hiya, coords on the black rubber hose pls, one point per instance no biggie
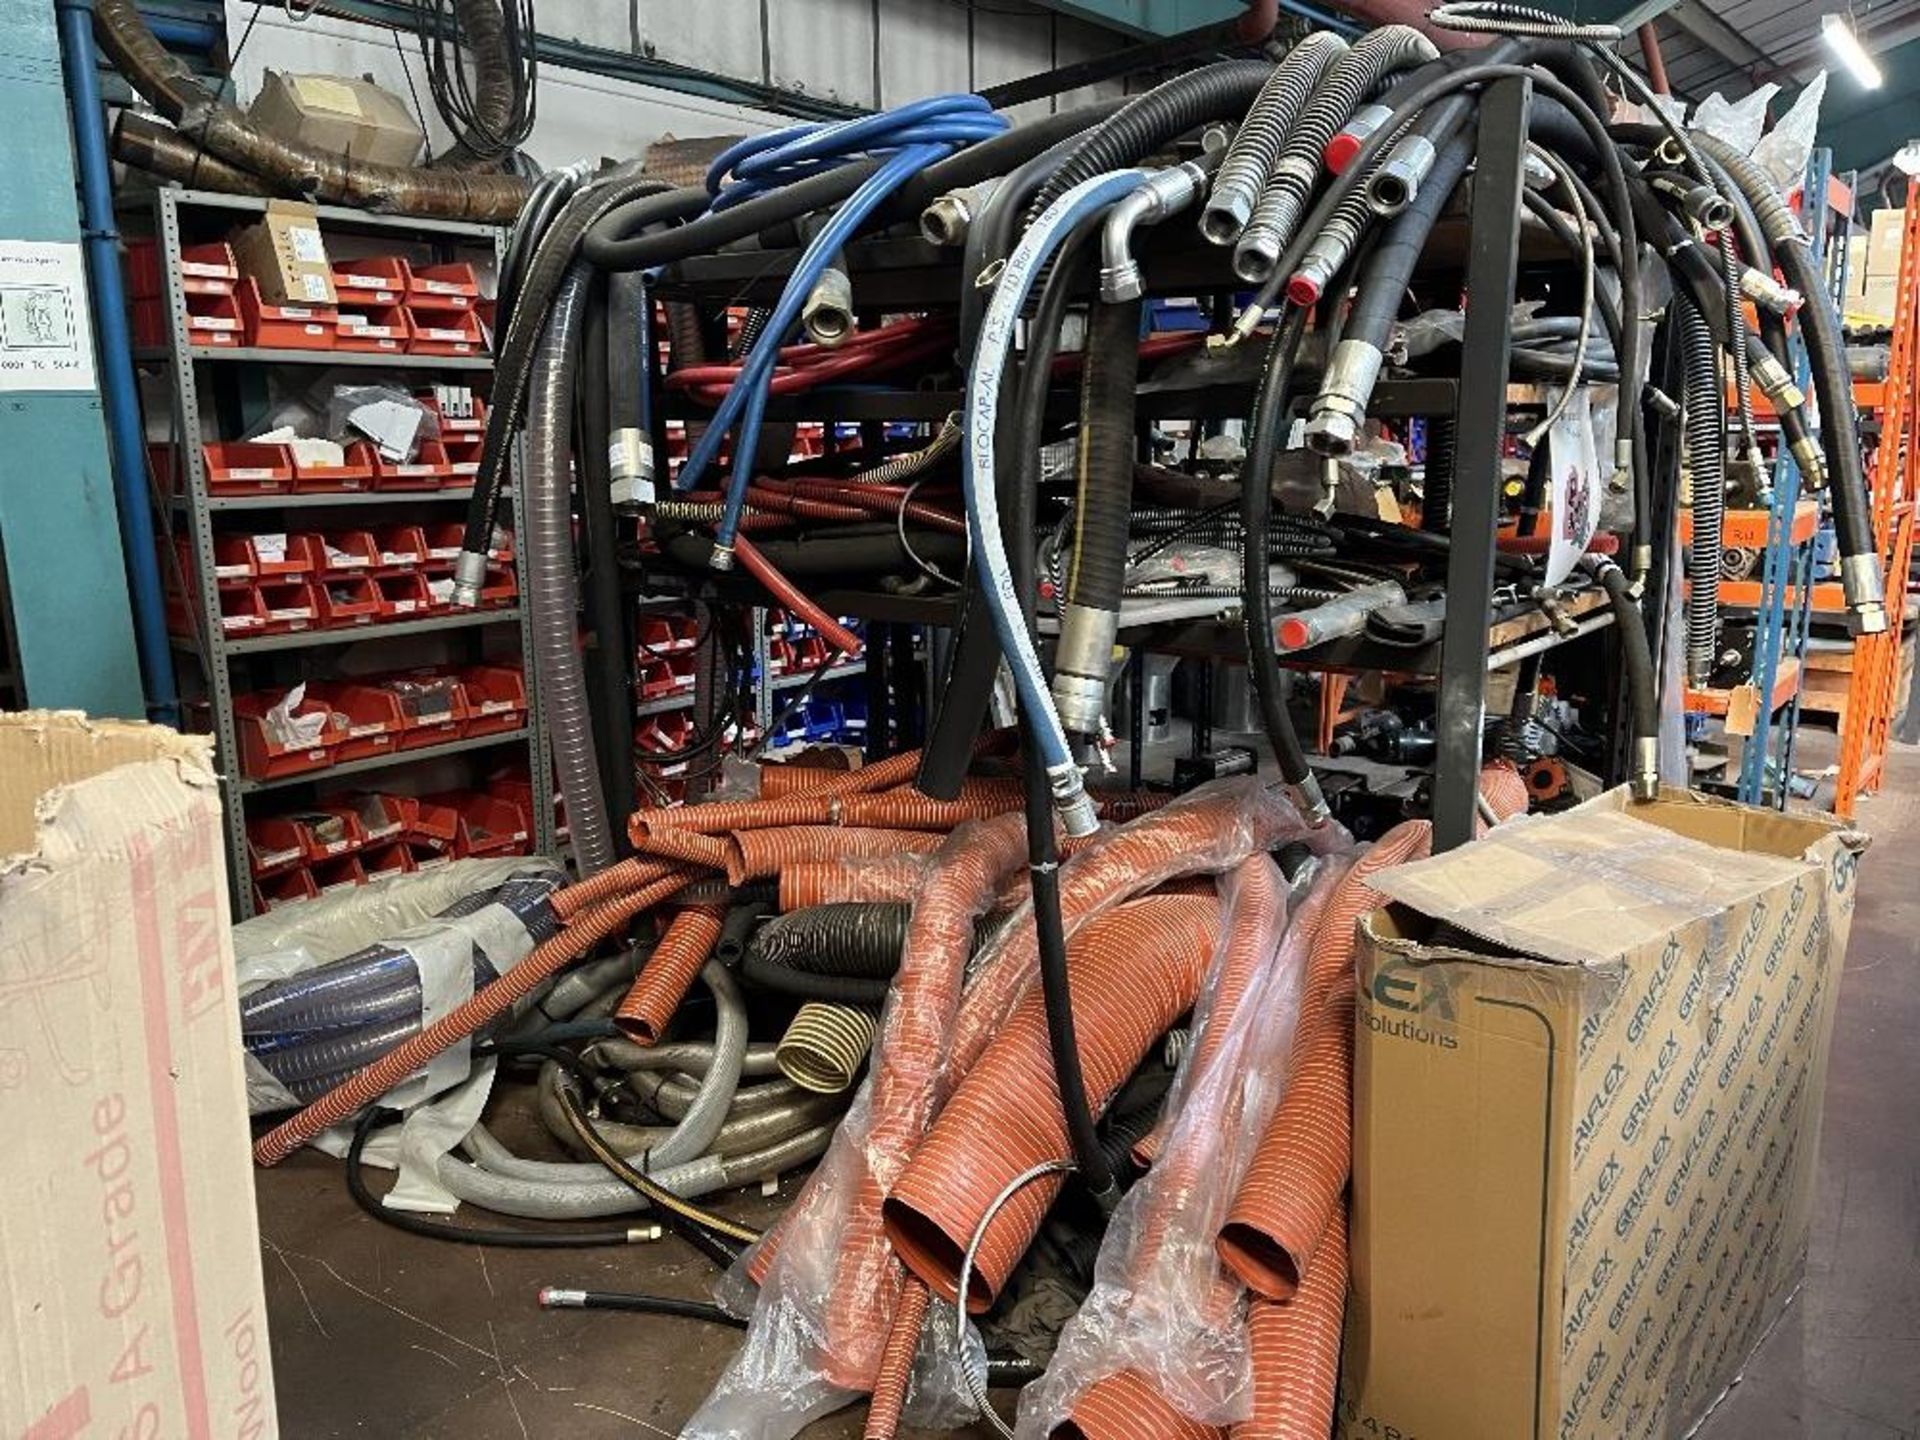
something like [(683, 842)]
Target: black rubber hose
[(627, 294), (554, 1297), (1103, 488), (607, 659), (535, 218), (1706, 447), (736, 931), (1383, 283), (1221, 91), (758, 970), (521, 331), (1636, 653), (1265, 431), (839, 554), (1826, 346), (619, 244)]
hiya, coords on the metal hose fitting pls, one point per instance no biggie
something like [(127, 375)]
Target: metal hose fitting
[(1860, 577), (1340, 409), (1392, 187), (1083, 661), (946, 221), (630, 466), (1702, 204), (1353, 135), (1767, 292), (469, 576), (828, 314), (1167, 193)]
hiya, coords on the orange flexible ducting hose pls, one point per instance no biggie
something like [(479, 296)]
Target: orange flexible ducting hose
[(867, 1279), (1300, 1168), (1296, 1347), (910, 810), (1250, 921), (806, 883), (804, 808), (896, 1364), (756, 854), (688, 847), (808, 770), (619, 879), (1124, 1406), (1134, 971), (669, 973), (1113, 865), (581, 934)]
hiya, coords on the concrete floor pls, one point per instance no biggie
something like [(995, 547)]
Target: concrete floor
[(383, 1335)]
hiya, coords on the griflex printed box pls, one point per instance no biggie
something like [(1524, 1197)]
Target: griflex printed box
[(1590, 1055)]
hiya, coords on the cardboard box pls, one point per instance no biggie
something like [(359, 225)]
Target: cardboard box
[(1856, 264), (1590, 1055), (340, 114), (1877, 303), (286, 256), (130, 1296), (1883, 244)]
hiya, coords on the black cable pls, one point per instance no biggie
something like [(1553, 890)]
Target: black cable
[(608, 660), (444, 33), (459, 1234)]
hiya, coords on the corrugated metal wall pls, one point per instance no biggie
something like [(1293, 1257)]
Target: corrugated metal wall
[(866, 53)]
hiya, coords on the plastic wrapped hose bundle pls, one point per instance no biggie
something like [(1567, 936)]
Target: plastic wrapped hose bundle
[(1163, 1313), (311, 1028)]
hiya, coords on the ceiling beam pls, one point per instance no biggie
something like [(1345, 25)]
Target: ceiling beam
[(1718, 36)]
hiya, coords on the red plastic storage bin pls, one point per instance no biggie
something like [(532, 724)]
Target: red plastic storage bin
[(266, 756), (355, 472), (373, 331), (246, 467), (432, 825), (401, 547), (274, 844), (370, 717), (382, 817), (374, 282), (454, 286), (446, 334), (207, 269), (394, 858), (433, 707), (289, 604), (463, 458), (501, 587), (429, 469), (348, 601), (212, 320), (403, 595), (472, 425), (327, 832), (348, 553), (242, 612), (284, 327), (488, 825), (341, 873), (270, 556), (496, 698), (284, 889)]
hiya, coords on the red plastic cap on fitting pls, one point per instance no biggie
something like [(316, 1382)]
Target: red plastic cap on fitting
[(1341, 149), (1294, 634), (1303, 289)]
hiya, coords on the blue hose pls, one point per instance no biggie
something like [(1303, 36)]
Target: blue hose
[(1010, 293), (917, 135)]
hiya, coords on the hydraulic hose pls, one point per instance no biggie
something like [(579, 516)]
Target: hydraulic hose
[(1221, 91), (1256, 144), (1352, 78), (1264, 432), (630, 459), (1051, 750), (548, 541), (1706, 452), (1643, 686), (1103, 504), (286, 166), (1860, 559), (608, 659)]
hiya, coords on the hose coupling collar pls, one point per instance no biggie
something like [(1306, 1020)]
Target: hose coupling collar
[(469, 575), (1340, 409), (1393, 187), (1071, 801), (630, 463), (1310, 800), (1646, 768)]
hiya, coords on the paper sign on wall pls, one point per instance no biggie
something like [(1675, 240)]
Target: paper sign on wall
[(45, 343)]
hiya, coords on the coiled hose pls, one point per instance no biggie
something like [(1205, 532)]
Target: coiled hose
[(548, 540), (1706, 453), (1256, 144), (846, 939), (825, 1045), (1221, 91), (1352, 79)]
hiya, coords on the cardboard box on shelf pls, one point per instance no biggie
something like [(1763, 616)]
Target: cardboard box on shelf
[(1856, 264), (1590, 1056), (130, 1294), (1883, 244), (286, 256), (342, 114), (1877, 302)]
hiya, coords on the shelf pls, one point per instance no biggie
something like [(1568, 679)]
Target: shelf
[(1715, 702), (664, 704), (383, 762), (797, 678), (361, 359), (354, 634), (316, 500), (335, 214), (1747, 529)]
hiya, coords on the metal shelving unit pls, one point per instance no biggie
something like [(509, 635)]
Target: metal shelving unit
[(188, 368)]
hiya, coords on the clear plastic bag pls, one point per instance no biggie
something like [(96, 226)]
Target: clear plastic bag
[(392, 419), (1784, 150), (1737, 123), (1162, 1306)]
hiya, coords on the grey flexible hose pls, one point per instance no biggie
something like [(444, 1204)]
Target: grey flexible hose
[(1349, 82), (1706, 450), (691, 1057), (673, 1095), (1250, 158), (548, 538), (538, 1200), (740, 1134)]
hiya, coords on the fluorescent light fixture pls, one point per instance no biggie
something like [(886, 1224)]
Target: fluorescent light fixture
[(1844, 42)]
